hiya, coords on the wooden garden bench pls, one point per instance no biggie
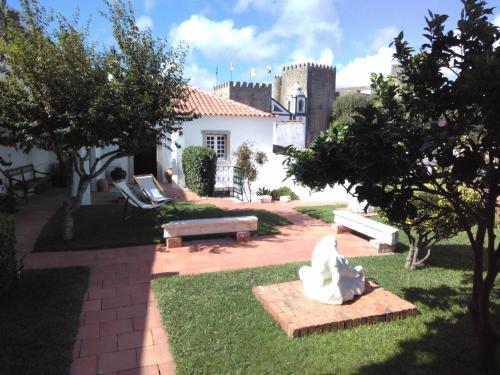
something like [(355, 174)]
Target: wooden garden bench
[(241, 225), (384, 237), (26, 178)]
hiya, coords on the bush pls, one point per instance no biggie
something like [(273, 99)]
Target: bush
[(263, 191), (284, 190), (8, 202), (118, 174), (8, 265), (199, 164)]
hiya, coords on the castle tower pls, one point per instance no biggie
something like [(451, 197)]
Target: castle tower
[(257, 95), (318, 83)]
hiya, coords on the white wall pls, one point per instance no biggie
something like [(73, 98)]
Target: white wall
[(259, 131), (40, 159)]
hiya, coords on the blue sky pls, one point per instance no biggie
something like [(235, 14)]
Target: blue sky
[(353, 35)]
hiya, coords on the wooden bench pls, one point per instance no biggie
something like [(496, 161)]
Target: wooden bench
[(26, 178), (241, 225), (384, 237)]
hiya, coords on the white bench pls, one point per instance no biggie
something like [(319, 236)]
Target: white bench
[(241, 225), (384, 237)]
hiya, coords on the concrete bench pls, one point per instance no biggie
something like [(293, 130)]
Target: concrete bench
[(384, 237), (241, 225)]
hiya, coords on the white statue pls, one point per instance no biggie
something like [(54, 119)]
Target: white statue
[(330, 279)]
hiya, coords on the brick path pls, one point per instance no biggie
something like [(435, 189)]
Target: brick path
[(121, 330)]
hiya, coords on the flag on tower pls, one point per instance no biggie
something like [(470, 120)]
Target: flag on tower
[(253, 72), (231, 66)]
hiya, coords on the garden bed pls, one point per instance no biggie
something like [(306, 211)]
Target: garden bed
[(39, 321), (101, 226)]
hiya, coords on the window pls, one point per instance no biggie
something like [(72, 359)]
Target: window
[(218, 142), (301, 106)]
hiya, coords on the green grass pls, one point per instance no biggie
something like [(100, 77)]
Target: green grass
[(323, 213), (215, 325), (101, 227), (39, 321)]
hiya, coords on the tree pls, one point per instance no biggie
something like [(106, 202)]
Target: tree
[(434, 133), (345, 106), (248, 160), (59, 93)]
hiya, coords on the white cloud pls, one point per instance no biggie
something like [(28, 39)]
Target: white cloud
[(383, 37), (144, 22), (221, 39), (496, 20), (150, 4), (303, 30), (199, 77), (358, 71)]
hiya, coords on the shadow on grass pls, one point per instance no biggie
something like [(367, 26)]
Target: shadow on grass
[(448, 345), (39, 321)]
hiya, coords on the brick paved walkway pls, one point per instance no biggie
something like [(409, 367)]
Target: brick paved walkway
[(121, 330)]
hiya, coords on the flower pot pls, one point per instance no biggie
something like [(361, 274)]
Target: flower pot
[(102, 185), (168, 175)]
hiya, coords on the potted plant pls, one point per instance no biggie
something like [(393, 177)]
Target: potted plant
[(168, 174), (118, 174)]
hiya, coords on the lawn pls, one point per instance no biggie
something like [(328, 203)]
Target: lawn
[(215, 325), (101, 226), (323, 213), (39, 321)]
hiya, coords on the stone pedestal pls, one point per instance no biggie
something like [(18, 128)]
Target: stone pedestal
[(298, 315), (339, 229), (173, 242), (382, 248), (243, 236)]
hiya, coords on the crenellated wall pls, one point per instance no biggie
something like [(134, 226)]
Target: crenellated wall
[(257, 95)]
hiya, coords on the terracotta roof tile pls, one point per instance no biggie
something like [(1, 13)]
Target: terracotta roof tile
[(203, 103)]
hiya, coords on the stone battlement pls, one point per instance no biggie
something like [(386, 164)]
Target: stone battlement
[(308, 65), (250, 85)]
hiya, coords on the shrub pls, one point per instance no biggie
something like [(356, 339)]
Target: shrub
[(118, 174), (8, 202), (263, 191), (284, 190), (199, 164), (9, 268)]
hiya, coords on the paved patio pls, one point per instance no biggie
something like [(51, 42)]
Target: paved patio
[(121, 330)]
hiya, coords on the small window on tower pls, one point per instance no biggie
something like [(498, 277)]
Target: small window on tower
[(301, 106)]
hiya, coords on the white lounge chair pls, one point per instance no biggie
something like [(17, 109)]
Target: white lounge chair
[(132, 199), (152, 189)]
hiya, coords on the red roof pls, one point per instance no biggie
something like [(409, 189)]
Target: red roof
[(203, 103)]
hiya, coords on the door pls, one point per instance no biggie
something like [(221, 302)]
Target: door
[(145, 161)]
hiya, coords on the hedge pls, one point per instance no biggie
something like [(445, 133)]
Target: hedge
[(284, 190), (8, 264), (199, 164)]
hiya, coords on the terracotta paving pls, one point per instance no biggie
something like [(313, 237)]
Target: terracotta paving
[(121, 330)]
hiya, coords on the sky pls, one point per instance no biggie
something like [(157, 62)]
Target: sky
[(353, 35)]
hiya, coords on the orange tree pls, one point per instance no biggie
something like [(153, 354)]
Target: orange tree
[(430, 141)]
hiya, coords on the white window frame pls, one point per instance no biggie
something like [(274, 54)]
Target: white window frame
[(218, 134)]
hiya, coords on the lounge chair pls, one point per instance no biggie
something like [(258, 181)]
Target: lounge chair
[(152, 189), (135, 201)]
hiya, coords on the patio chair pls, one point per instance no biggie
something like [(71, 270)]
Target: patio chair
[(152, 189), (134, 201)]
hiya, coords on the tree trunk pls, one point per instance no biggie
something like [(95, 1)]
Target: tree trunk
[(67, 222), (488, 337), (409, 257), (72, 206)]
